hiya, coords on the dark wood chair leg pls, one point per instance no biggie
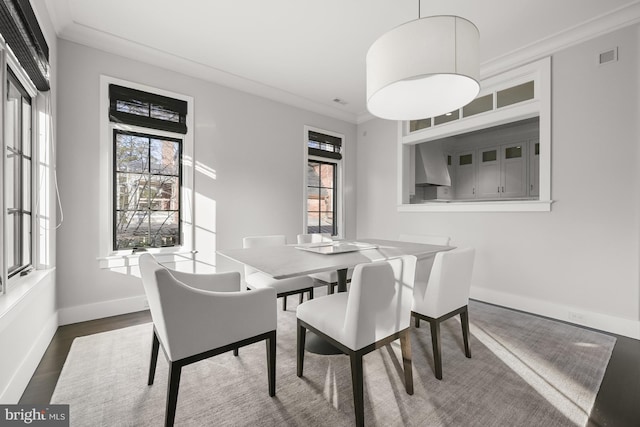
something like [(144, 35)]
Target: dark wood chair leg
[(271, 363), (235, 352), (172, 393), (155, 346), (464, 320), (310, 294), (330, 288), (302, 335), (284, 303), (435, 341), (417, 322), (301, 297), (405, 345), (358, 387)]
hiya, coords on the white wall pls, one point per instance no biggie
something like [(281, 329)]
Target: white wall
[(28, 315), (579, 262), (253, 145)]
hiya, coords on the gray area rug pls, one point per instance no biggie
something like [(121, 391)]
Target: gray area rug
[(525, 371)]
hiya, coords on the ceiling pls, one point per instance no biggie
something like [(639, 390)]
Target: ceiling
[(308, 53)]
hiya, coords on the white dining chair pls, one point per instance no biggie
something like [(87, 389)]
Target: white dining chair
[(423, 267), (325, 278), (197, 316), (445, 294), (257, 280), (375, 312)]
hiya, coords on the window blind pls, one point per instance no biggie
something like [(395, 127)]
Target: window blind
[(136, 107), (323, 145), (20, 29)]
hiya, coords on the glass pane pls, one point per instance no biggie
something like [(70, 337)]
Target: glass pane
[(448, 117), (26, 128), (478, 105), (515, 94), (161, 113), (164, 229), (164, 193), (12, 117), (13, 251), (513, 152), (131, 191), (132, 153), (326, 175), (165, 157), (326, 222), (26, 240), (26, 184), (325, 202), (313, 174), (313, 199), (12, 187), (415, 125), (465, 159), (136, 107), (132, 229), (490, 156)]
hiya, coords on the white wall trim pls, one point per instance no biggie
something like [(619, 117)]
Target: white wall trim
[(99, 310), (21, 377), (604, 322)]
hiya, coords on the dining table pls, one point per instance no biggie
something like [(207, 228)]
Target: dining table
[(286, 261)]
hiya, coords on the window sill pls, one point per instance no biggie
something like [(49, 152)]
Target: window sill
[(478, 206), (129, 259), (20, 287)]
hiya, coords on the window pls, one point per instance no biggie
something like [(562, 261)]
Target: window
[(147, 171), (146, 190), (322, 182), (18, 186)]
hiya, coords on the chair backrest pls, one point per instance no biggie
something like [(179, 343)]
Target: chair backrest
[(148, 271), (426, 239), (379, 303), (261, 242), (314, 238), (447, 288)]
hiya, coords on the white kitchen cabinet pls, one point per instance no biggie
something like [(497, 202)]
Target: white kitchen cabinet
[(488, 173), (465, 187), (514, 170)]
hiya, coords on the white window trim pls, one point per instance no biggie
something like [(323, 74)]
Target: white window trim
[(540, 72), (340, 178), (108, 258)]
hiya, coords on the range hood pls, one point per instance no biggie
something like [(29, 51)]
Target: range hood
[(431, 164)]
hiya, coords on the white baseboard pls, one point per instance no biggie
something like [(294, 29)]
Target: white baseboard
[(617, 325), (99, 310), (22, 375)]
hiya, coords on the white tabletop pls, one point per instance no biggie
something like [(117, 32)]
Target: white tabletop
[(282, 262)]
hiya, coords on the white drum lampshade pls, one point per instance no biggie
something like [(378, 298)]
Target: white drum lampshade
[(423, 68)]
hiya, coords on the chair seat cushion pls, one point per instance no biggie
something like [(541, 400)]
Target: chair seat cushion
[(260, 280), (326, 314)]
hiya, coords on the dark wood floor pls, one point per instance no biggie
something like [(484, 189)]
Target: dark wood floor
[(617, 403)]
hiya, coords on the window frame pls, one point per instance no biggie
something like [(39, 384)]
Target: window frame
[(107, 256), (8, 61), (338, 181), (149, 135)]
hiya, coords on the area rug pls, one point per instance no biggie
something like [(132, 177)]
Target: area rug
[(525, 371)]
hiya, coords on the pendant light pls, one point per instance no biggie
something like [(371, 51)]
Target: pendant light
[(423, 68)]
